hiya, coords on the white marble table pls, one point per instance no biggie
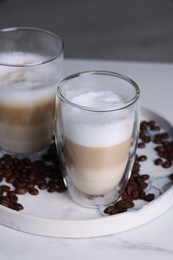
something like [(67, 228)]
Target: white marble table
[(153, 240)]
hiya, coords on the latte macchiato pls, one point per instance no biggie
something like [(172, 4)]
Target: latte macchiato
[(96, 145), (27, 100)]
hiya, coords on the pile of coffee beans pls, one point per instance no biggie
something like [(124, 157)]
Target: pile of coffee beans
[(23, 176), (137, 183)]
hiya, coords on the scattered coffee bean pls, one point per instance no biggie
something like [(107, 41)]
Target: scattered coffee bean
[(137, 184), (149, 197), (167, 164), (21, 190), (142, 158), (26, 176), (5, 188), (33, 191), (158, 161), (141, 145)]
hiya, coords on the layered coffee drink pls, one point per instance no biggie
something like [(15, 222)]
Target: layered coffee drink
[(27, 101), (96, 144)]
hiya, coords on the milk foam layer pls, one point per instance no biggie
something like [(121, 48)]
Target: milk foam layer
[(97, 129), (27, 82)]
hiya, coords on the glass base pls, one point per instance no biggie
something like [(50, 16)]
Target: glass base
[(92, 201), (32, 156)]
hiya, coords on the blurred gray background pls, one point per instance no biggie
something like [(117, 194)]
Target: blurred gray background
[(139, 30)]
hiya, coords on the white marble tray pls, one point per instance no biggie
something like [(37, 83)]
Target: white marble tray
[(55, 214)]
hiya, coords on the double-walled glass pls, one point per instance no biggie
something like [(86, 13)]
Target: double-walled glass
[(31, 66), (97, 131)]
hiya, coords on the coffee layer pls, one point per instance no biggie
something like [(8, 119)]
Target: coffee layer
[(96, 171)]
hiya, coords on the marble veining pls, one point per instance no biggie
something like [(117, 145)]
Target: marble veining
[(143, 246)]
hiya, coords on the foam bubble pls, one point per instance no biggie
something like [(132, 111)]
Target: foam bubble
[(97, 129)]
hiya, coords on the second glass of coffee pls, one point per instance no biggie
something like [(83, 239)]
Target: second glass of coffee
[(31, 66)]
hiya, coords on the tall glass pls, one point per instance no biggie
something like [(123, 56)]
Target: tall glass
[(31, 66), (97, 128)]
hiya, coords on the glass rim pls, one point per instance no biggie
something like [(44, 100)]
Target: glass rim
[(55, 36), (99, 72)]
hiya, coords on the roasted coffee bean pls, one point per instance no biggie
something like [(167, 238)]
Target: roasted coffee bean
[(42, 186), (11, 179), (7, 173), (52, 189), (13, 198), (126, 197), (143, 184), (32, 176), (114, 211), (5, 188), (21, 190), (33, 191), (149, 197), (142, 158), (155, 128), (167, 164), (29, 185), (144, 176), (5, 203), (61, 189), (17, 206), (141, 145), (158, 161), (142, 195), (135, 194), (129, 204), (52, 183), (108, 210), (160, 149)]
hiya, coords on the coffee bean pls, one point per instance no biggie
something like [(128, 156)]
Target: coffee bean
[(142, 195), (21, 190), (141, 145), (129, 204), (109, 209), (142, 158), (5, 188), (114, 211), (17, 206), (126, 197), (144, 176), (33, 191), (52, 183), (7, 173), (149, 197), (158, 161), (135, 194), (167, 164), (61, 189), (10, 179), (13, 198), (51, 189), (42, 186)]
